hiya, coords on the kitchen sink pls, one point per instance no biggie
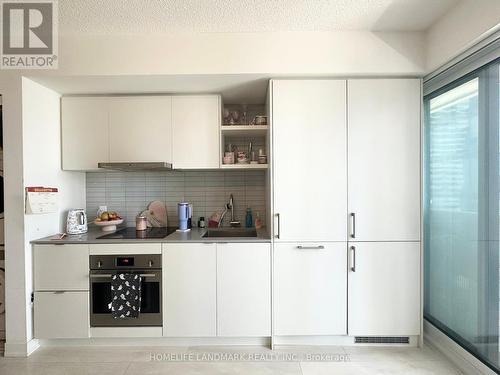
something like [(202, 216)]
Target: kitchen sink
[(230, 232)]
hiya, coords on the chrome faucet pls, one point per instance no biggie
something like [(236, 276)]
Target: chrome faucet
[(229, 206), (222, 216)]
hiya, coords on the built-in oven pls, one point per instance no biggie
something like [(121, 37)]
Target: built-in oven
[(103, 267)]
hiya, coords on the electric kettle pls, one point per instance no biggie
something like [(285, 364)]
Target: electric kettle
[(76, 222)]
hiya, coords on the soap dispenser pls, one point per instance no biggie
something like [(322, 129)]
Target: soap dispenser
[(249, 219)]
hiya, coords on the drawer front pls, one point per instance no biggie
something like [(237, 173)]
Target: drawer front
[(125, 248), (61, 315), (61, 267)]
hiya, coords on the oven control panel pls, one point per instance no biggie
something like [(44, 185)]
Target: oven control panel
[(116, 262)]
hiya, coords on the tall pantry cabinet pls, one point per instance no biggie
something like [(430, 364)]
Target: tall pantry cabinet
[(346, 204), (384, 206), (310, 204)]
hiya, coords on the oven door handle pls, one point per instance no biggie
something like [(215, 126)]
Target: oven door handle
[(107, 275)]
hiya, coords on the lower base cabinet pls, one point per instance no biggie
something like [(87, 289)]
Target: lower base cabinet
[(219, 289), (189, 290), (60, 315), (310, 295), (384, 288), (243, 289)]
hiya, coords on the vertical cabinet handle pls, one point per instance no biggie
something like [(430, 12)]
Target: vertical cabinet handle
[(353, 262), (278, 231), (353, 225)]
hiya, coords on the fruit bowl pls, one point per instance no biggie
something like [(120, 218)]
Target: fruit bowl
[(108, 225)]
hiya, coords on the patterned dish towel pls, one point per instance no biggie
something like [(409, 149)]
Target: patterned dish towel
[(126, 295)]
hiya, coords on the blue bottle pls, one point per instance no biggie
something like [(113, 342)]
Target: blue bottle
[(249, 218)]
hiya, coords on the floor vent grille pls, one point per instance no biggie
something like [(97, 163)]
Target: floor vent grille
[(381, 340)]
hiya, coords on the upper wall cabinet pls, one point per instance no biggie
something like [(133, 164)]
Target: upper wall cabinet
[(310, 160), (85, 134), (182, 130), (140, 129), (384, 159), (195, 124)]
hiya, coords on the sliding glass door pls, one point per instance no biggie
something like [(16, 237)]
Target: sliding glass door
[(461, 208)]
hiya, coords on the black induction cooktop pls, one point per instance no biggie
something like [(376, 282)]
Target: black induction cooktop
[(132, 233)]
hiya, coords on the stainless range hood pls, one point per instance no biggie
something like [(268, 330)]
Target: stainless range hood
[(137, 166)]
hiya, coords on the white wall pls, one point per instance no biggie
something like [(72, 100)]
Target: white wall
[(459, 29), (15, 281), (325, 53), (41, 166), (42, 158)]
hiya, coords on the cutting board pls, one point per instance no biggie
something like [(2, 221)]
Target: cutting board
[(159, 211)]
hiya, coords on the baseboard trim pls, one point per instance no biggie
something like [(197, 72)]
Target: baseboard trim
[(21, 349), (159, 341), (465, 361), (127, 332)]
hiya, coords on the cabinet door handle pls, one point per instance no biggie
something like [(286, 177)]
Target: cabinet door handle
[(353, 225), (353, 262), (100, 275), (320, 247), (279, 229)]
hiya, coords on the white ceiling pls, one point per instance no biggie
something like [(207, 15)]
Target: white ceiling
[(166, 16)]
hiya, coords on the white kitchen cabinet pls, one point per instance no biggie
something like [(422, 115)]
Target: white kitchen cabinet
[(84, 132), (61, 285), (310, 289), (384, 288), (384, 159), (61, 315), (182, 130), (189, 289), (195, 124), (243, 289), (61, 267), (310, 160), (140, 129)]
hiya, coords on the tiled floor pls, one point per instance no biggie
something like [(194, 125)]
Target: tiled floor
[(131, 361)]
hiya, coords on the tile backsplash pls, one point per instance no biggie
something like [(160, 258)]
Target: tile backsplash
[(129, 193)]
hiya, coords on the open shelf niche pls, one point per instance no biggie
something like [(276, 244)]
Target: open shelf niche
[(238, 132)]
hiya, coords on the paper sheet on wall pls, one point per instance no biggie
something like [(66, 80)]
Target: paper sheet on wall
[(41, 200)]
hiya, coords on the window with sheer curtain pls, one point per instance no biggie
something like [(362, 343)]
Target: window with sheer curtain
[(461, 211)]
